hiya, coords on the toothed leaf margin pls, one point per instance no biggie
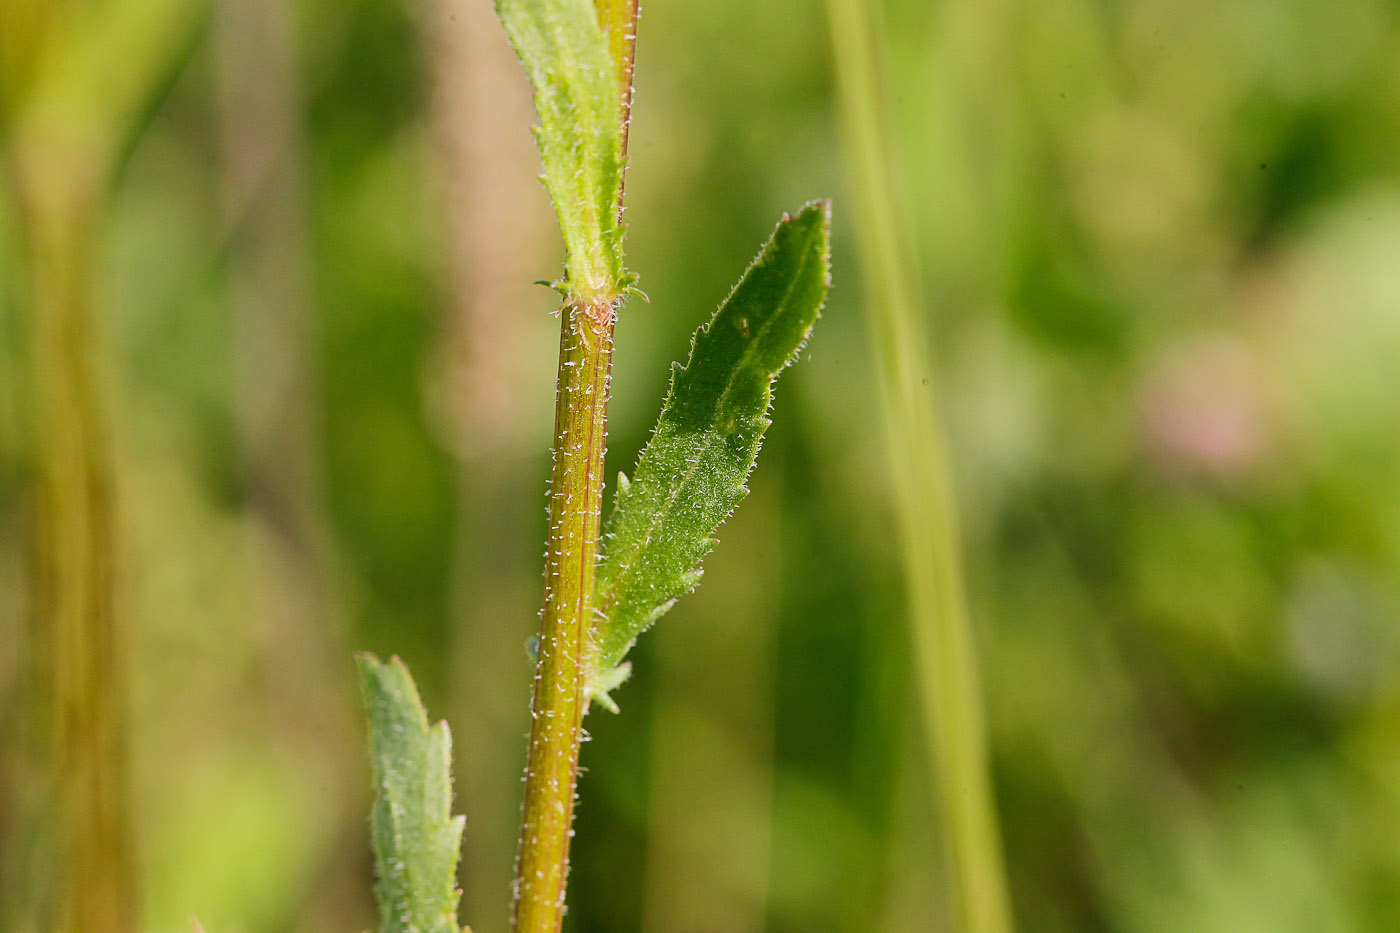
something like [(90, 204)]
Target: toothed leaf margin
[(692, 472), (415, 838)]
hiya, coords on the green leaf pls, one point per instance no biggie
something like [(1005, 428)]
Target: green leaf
[(692, 472), (565, 53), (415, 837)]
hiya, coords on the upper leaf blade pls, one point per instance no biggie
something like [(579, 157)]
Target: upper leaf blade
[(691, 474), (565, 52), (415, 837)]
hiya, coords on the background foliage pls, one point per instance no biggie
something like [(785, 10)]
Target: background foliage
[(1159, 242)]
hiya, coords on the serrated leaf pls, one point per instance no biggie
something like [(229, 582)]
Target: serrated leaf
[(691, 474), (415, 837), (565, 53)]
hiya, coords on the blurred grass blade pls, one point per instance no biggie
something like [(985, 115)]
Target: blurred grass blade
[(566, 54), (940, 628), (415, 837), (86, 80), (692, 472)]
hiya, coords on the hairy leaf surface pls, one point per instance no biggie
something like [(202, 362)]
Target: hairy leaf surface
[(565, 53), (691, 474), (415, 837)]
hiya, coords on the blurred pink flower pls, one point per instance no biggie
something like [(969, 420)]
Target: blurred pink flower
[(1204, 407)]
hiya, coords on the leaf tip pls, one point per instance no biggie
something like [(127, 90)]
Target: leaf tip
[(814, 211)]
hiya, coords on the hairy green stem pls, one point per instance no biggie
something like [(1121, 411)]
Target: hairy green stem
[(571, 557), (581, 420), (939, 620), (619, 21)]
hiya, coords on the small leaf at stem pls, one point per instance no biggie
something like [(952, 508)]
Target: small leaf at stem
[(565, 52), (691, 474), (415, 837)]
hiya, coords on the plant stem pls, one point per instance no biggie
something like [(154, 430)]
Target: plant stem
[(940, 626), (76, 628), (67, 104), (619, 19), (571, 556), (581, 417)]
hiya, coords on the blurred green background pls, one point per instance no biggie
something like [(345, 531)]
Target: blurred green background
[(1161, 247)]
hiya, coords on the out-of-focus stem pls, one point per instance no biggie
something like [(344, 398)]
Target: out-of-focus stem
[(74, 79), (938, 615), (76, 631), (576, 491)]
